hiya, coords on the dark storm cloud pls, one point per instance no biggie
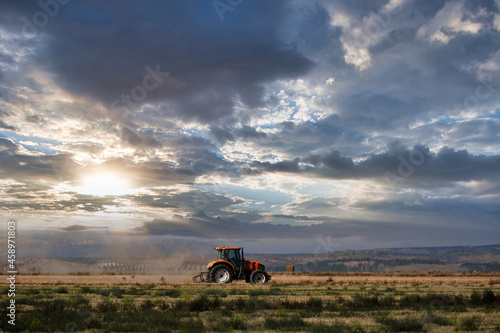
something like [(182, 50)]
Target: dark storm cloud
[(135, 139), (37, 199), (17, 165), (225, 134), (102, 50), (461, 209), (416, 165), (80, 227), (189, 201), (348, 233), (204, 226)]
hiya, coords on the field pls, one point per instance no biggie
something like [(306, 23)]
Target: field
[(397, 302)]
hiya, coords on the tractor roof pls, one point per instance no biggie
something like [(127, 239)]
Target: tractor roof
[(227, 248)]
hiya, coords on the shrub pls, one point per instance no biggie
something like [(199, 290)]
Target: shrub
[(56, 305), (488, 297), (411, 300), (117, 292), (104, 292), (193, 325), (231, 324), (146, 305), (33, 291), (407, 324), (86, 290), (107, 306), (438, 320), (173, 293), (216, 292), (80, 302), (338, 327), (364, 301), (61, 290), (475, 298), (293, 323), (128, 305), (203, 303), (387, 301), (470, 323), (314, 304)]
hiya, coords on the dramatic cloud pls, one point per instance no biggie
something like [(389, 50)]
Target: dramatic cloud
[(278, 123)]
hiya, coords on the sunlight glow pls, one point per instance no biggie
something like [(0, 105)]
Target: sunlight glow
[(103, 184)]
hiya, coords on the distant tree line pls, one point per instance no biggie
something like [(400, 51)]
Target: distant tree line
[(490, 266)]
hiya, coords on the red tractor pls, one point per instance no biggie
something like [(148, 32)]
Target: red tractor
[(231, 265)]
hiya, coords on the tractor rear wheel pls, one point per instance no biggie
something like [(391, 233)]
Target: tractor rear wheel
[(259, 276), (221, 273)]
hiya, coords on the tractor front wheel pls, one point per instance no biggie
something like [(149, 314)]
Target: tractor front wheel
[(259, 276), (221, 274)]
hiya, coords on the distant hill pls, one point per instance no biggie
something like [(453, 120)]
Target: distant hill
[(449, 259), (445, 259)]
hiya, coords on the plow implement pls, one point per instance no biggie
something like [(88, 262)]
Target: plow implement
[(201, 278)]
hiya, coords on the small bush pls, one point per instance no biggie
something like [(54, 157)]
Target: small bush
[(364, 301), (411, 301), (107, 306), (407, 324), (438, 320), (33, 291), (337, 328), (128, 305), (387, 301), (117, 292), (231, 324), (61, 290), (203, 303), (86, 290), (470, 323), (475, 298), (293, 323), (104, 292), (173, 293), (56, 305), (488, 297), (80, 302), (314, 304), (192, 326), (146, 305), (216, 292)]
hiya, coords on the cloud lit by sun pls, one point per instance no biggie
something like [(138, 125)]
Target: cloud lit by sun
[(103, 184)]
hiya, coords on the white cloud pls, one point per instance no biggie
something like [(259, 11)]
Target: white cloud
[(450, 21), (359, 34)]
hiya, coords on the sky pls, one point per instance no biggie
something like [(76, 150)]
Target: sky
[(281, 126)]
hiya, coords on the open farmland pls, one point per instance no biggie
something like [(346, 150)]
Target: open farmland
[(301, 302)]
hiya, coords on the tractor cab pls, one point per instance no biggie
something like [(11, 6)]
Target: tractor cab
[(232, 255)]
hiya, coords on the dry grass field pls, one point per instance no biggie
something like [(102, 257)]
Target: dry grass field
[(396, 302)]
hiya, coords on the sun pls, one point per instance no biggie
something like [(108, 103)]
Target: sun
[(103, 184)]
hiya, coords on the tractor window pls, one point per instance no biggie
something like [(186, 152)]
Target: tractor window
[(223, 255)]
